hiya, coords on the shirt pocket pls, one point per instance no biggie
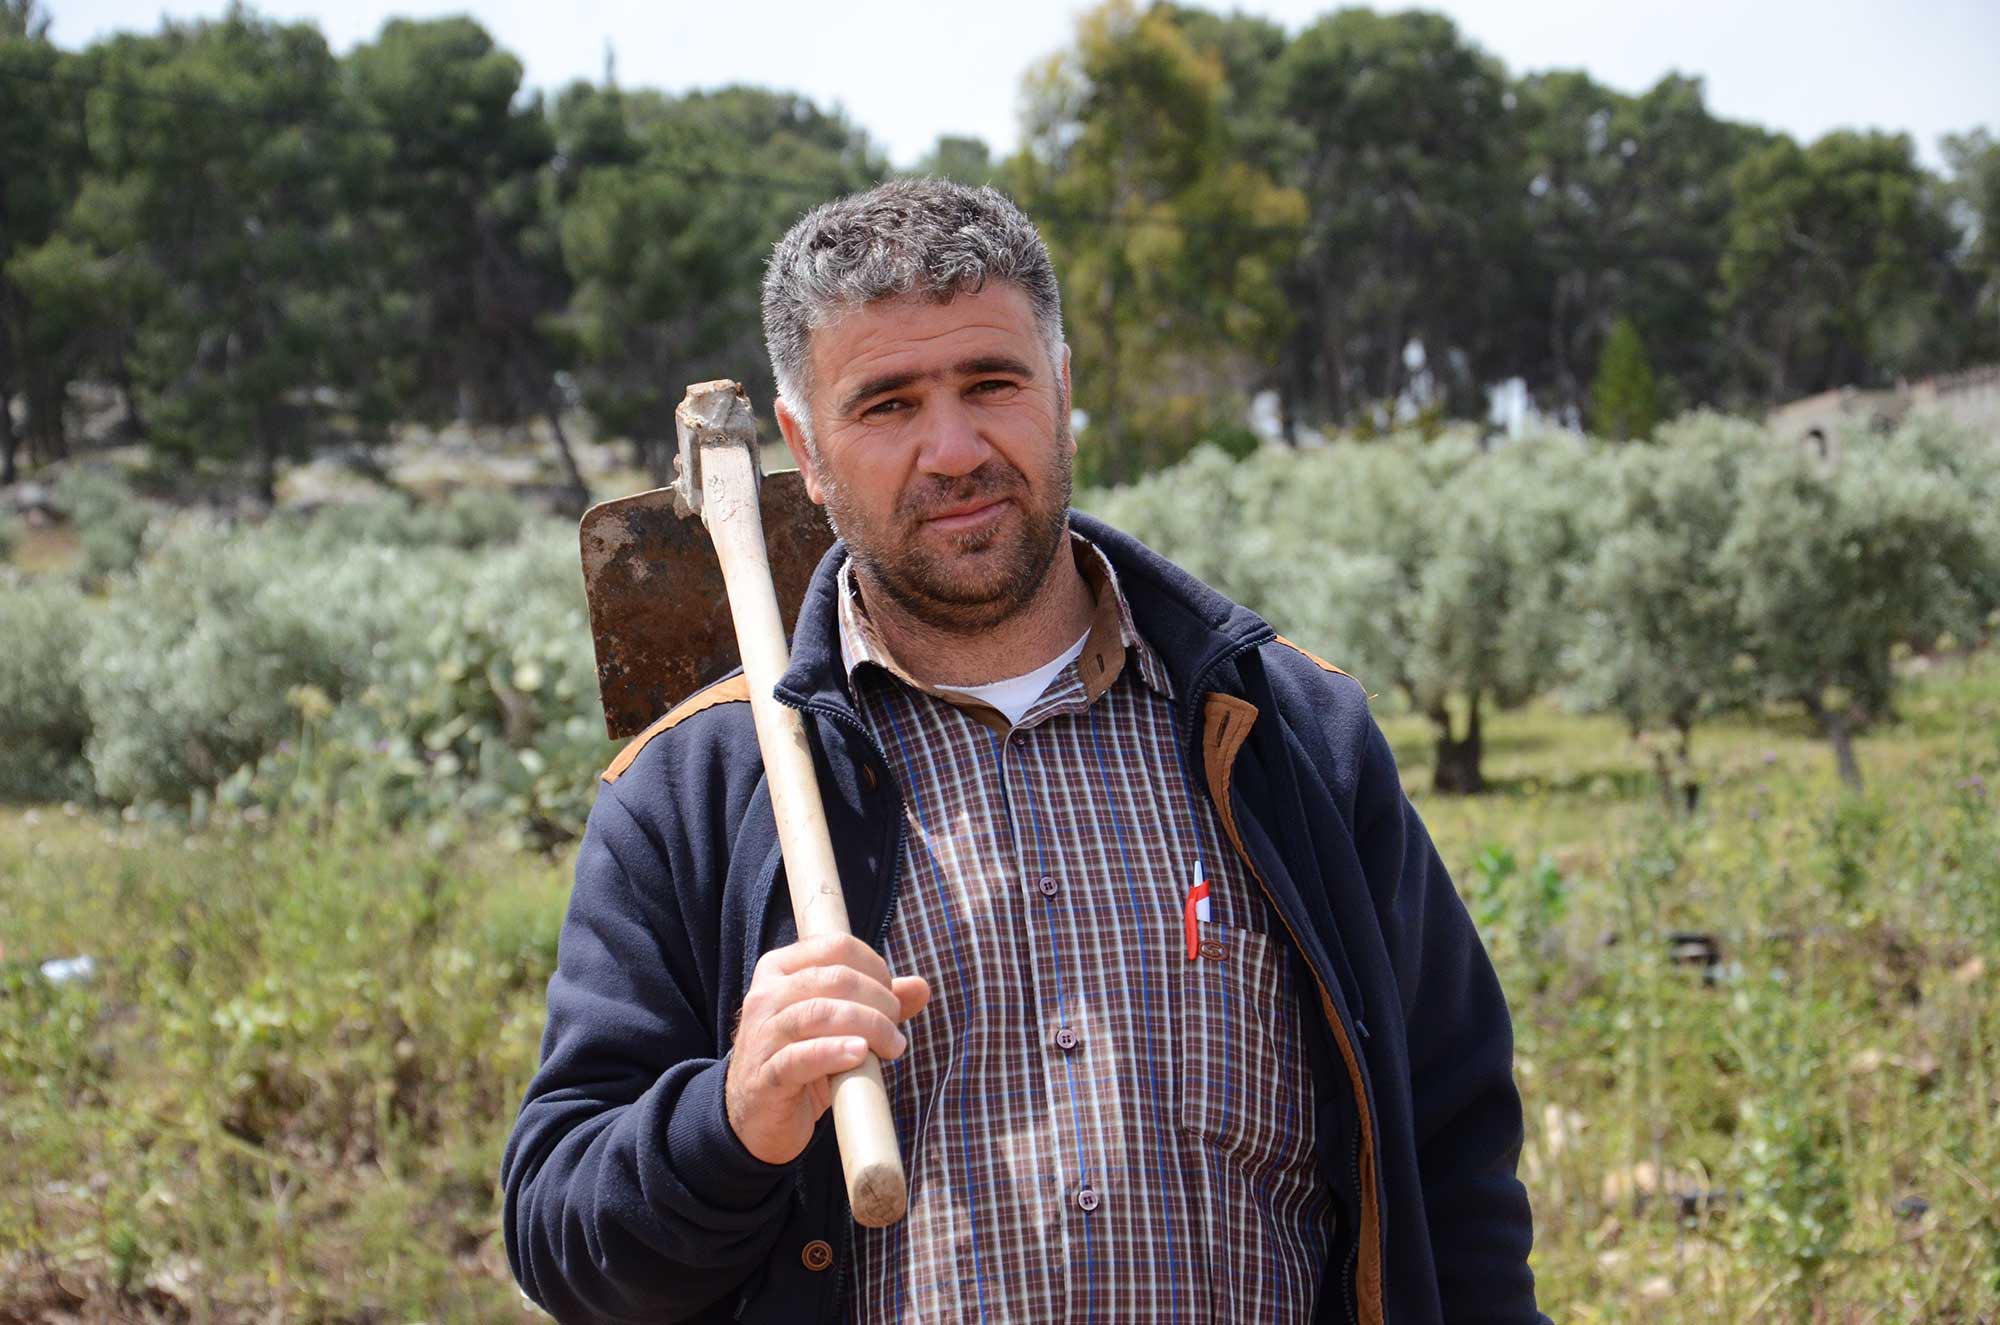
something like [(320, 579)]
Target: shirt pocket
[(1245, 1087)]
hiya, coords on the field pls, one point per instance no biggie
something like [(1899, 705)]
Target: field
[(1759, 1048)]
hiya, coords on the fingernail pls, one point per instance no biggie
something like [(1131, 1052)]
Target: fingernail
[(902, 1042)]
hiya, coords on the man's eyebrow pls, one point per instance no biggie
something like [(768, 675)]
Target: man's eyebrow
[(996, 363), (876, 386), (1005, 364)]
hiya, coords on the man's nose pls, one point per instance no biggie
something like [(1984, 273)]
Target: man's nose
[(952, 444)]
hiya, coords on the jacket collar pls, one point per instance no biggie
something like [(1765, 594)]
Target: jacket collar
[(1193, 629)]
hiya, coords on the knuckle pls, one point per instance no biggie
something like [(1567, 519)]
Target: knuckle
[(819, 979), (821, 944), (815, 1013), (778, 1066), (843, 981)]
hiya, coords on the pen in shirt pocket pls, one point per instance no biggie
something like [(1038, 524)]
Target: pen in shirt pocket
[(1195, 911)]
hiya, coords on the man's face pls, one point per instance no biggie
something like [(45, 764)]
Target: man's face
[(942, 451)]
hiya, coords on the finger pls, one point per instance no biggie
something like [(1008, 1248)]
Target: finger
[(913, 995), (807, 1063), (817, 1017), (841, 982), (829, 950)]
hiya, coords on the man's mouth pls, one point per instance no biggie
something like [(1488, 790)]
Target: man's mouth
[(961, 516)]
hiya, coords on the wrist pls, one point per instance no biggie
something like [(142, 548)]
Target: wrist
[(710, 1154)]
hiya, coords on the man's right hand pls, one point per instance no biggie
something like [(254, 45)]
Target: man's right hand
[(814, 1010)]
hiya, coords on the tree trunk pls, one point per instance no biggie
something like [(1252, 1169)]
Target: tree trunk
[(135, 422), (572, 474), (1333, 368), (658, 453), (1840, 734), (46, 440), (1295, 379), (10, 444), (267, 457), (1664, 773), (1567, 392), (1456, 771), (1684, 754), (1680, 793)]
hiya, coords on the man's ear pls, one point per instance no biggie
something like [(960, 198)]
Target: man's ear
[(795, 442)]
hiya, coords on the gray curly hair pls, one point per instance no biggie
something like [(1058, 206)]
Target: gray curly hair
[(928, 237)]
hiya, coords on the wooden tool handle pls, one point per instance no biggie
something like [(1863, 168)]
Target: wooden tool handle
[(868, 1153)]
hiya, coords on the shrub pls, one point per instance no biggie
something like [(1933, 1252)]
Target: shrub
[(10, 534), (110, 518), (43, 721), (188, 672), (470, 518), (484, 702)]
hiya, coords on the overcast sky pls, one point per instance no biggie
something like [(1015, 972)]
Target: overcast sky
[(908, 70)]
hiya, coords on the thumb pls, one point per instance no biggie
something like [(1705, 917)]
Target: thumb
[(913, 992)]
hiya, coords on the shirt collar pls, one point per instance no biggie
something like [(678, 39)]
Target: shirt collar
[(1111, 641)]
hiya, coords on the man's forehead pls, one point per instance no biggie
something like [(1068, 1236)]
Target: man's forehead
[(915, 321)]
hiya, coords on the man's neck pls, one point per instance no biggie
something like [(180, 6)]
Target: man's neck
[(1041, 629)]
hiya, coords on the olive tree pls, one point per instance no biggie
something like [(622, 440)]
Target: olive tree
[(1319, 543), (1657, 627), (1839, 565), (1493, 608), (1431, 570)]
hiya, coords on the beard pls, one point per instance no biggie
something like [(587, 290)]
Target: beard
[(985, 575)]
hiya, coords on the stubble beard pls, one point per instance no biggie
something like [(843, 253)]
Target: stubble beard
[(948, 597)]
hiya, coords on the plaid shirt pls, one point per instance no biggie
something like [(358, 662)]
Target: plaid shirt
[(1095, 1126)]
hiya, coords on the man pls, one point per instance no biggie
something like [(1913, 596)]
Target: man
[(1180, 1016)]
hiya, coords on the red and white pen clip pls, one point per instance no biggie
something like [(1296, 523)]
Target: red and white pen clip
[(1194, 911)]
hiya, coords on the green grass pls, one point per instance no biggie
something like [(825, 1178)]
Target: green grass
[(1751, 1140), (285, 1095)]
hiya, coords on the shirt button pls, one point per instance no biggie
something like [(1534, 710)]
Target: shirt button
[(1086, 1199), (817, 1255), (1047, 885), (1065, 1039)]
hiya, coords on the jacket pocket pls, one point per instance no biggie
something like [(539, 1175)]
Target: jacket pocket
[(1245, 1084)]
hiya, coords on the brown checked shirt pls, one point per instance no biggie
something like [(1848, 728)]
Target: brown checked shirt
[(1095, 1125)]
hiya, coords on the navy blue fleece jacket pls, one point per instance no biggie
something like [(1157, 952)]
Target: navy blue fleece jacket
[(628, 1197)]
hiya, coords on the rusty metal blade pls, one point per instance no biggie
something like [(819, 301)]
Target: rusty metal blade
[(658, 612)]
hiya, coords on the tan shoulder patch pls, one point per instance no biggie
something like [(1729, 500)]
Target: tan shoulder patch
[(1324, 665), (729, 690)]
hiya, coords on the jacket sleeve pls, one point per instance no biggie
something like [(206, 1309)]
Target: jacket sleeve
[(1465, 1107), (628, 1196)]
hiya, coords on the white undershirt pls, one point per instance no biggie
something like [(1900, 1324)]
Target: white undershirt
[(1015, 695)]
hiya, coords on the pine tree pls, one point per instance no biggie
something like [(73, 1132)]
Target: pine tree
[(1624, 398)]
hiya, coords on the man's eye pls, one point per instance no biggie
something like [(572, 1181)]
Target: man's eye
[(882, 407), (993, 386)]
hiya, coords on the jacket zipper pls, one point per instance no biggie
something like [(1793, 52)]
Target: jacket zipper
[(896, 856), (1199, 693), (881, 930), (1355, 1161)]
